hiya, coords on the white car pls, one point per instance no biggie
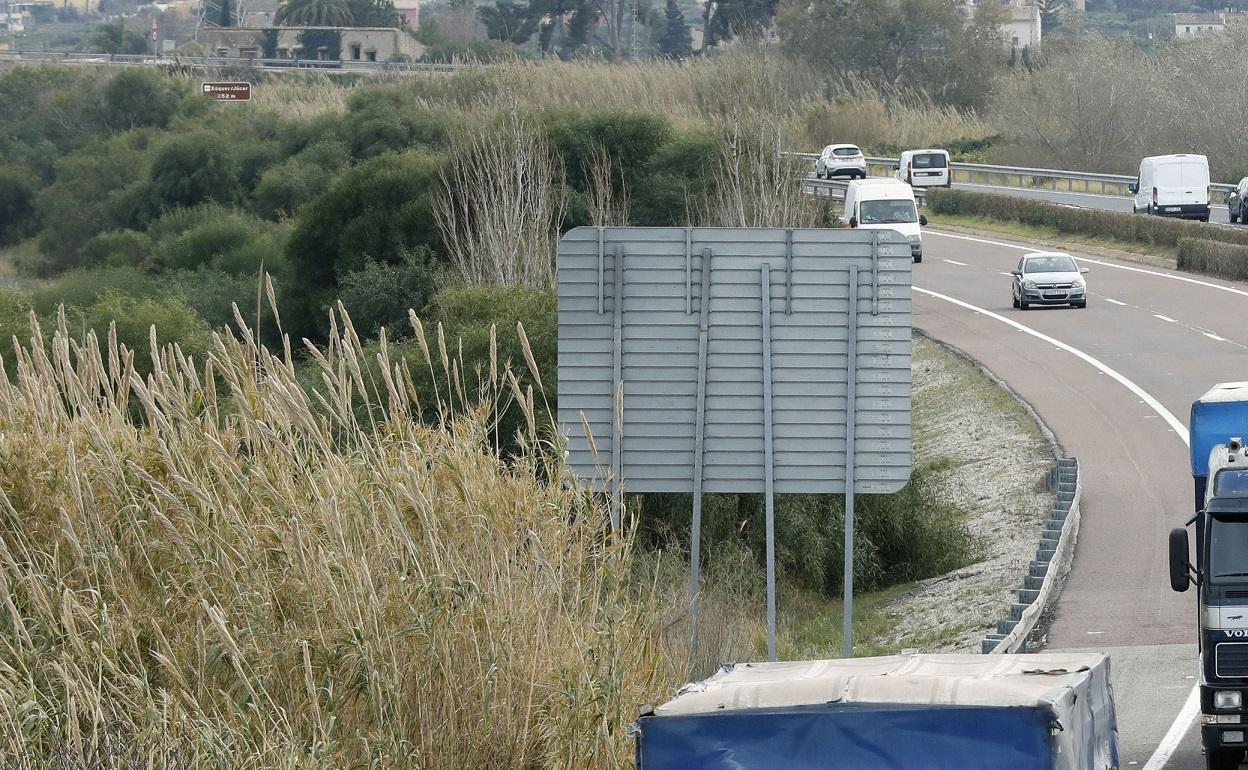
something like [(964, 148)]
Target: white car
[(841, 160), (1049, 278)]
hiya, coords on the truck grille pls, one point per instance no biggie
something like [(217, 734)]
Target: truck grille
[(1231, 659)]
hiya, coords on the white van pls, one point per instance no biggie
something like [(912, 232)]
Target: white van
[(924, 168), (1173, 186), (885, 204)]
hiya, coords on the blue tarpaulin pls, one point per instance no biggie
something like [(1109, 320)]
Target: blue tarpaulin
[(1219, 415), (853, 736)]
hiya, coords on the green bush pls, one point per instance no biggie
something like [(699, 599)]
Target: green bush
[(195, 167), (391, 118), (678, 179), (119, 248), (910, 535), (378, 210), (234, 243), (173, 318), (1119, 226), (286, 187), (381, 294), (1225, 260), (17, 204), (83, 287), (15, 310), (139, 97), (213, 294), (629, 138)]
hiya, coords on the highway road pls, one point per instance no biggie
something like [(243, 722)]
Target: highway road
[(1115, 382)]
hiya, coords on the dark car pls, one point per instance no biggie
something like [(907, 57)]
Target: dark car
[(1237, 202)]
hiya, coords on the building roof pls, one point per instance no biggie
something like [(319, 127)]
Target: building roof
[(1199, 18)]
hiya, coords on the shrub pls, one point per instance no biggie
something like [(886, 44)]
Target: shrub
[(119, 248), (173, 318), (1119, 226), (139, 97), (213, 294), (286, 187), (629, 138), (678, 179), (234, 243), (83, 287), (17, 204), (391, 118), (378, 210), (1225, 260), (191, 168), (15, 310), (382, 293)]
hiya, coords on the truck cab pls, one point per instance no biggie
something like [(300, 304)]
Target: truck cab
[(1219, 422)]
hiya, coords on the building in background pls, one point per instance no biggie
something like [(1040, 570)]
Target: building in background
[(1196, 24), (410, 11), (362, 44)]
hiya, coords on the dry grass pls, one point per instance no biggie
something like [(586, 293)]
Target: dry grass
[(809, 111), (212, 568)]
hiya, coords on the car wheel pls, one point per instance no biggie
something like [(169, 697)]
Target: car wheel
[(1013, 300), (1205, 218), (1149, 210), (1223, 760), (1023, 305), (1080, 305), (1235, 218), (918, 258)]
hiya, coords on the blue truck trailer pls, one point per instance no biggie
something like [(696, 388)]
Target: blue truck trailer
[(1219, 461), (1049, 711)]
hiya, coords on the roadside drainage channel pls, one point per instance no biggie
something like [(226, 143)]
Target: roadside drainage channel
[(1046, 572)]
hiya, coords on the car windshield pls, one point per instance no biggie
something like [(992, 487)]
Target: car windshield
[(929, 160), (1050, 264), (1228, 550), (846, 152), (886, 212)]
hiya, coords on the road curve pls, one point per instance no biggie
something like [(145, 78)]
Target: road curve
[(1171, 335)]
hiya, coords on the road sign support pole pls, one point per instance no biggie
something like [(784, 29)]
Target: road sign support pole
[(851, 430), (699, 436), (769, 465), (617, 391)]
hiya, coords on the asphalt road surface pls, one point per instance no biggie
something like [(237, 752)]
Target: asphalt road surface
[(1115, 382)]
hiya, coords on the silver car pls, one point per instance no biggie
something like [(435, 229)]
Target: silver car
[(1049, 278), (841, 160)]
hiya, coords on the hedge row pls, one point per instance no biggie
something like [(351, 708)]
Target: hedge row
[(1225, 260), (1115, 225)]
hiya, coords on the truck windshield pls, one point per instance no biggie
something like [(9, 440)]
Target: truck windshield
[(886, 212), (1231, 483), (1228, 550)]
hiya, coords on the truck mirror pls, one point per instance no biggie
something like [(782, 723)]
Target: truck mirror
[(1180, 579), (922, 220), (853, 221), (1133, 188)]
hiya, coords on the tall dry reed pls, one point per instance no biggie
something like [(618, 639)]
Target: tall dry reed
[(213, 568)]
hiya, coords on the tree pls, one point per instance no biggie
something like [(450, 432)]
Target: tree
[(116, 39), (224, 16), (195, 167), (374, 13), (509, 21), (677, 40), (138, 97), (323, 44), (741, 18), (313, 13), (1052, 13), (921, 45)]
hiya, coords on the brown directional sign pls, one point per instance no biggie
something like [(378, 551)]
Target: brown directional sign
[(228, 91)]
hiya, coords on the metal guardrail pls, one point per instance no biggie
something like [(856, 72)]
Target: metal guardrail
[(836, 189), (1046, 571), (1023, 177), (205, 62)]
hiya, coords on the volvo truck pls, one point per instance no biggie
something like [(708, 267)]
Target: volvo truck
[(1219, 460)]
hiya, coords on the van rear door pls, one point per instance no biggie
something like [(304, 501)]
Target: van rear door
[(1182, 181)]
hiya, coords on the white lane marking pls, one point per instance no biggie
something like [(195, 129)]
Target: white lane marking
[(1153, 403), (1115, 302), (1187, 715), (1182, 723), (1167, 319), (1213, 336), (955, 262), (1170, 276)]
